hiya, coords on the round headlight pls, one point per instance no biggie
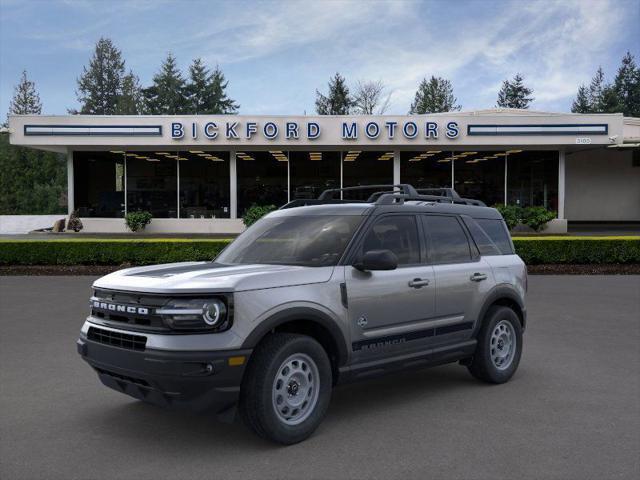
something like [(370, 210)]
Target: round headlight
[(214, 312)]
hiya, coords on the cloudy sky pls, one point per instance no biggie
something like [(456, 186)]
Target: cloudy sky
[(275, 54)]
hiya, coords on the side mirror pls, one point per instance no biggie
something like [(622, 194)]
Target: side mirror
[(377, 260)]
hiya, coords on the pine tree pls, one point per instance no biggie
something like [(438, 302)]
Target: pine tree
[(31, 181), (130, 101), (514, 94), (167, 95), (196, 89), (99, 86), (25, 99), (219, 103), (627, 86), (433, 96), (596, 91), (581, 104), (206, 91), (338, 101)]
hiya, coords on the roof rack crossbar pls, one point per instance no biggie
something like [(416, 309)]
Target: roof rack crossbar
[(404, 188), (304, 202), (391, 198), (387, 195)]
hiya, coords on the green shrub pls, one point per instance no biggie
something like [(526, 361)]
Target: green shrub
[(137, 220), (255, 213), (510, 213), (107, 252), (534, 217), (578, 250), (537, 217), (533, 250)]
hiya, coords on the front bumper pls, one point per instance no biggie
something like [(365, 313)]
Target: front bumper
[(196, 381)]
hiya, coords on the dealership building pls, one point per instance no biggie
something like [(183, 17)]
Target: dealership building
[(200, 173)]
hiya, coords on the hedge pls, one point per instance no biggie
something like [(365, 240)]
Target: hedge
[(578, 250), (107, 252), (533, 250)]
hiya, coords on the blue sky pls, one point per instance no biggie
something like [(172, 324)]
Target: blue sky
[(275, 54)]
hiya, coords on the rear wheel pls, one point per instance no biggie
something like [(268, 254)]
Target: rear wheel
[(287, 388), (499, 346)]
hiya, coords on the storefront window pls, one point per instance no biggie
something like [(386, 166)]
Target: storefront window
[(426, 169), (152, 183), (366, 168), (532, 179), (480, 175), (204, 184), (99, 184), (262, 179), (313, 172)]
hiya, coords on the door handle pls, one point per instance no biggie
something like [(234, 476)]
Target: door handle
[(418, 283), (478, 277)]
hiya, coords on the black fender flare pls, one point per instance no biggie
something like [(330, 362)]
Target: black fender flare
[(498, 293), (301, 313)]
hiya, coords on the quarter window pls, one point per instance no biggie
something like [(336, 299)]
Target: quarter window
[(396, 233), (448, 242), (497, 231)]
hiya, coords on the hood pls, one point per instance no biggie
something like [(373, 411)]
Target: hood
[(208, 277)]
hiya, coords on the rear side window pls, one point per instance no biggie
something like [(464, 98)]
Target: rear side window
[(498, 233), (448, 242), (485, 244)]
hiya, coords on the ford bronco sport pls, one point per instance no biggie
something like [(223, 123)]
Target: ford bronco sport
[(318, 293)]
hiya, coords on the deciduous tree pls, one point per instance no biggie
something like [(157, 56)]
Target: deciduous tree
[(371, 98)]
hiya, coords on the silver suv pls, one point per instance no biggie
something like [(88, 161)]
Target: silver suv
[(311, 296)]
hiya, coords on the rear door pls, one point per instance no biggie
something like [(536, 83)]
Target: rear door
[(462, 277), (387, 308)]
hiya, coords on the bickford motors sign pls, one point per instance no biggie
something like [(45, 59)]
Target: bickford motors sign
[(294, 130)]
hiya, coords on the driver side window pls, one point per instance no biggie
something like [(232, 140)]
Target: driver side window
[(397, 233)]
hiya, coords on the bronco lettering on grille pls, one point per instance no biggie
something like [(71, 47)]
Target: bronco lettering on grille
[(113, 307)]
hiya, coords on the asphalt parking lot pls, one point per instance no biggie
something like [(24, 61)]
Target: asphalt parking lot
[(571, 412)]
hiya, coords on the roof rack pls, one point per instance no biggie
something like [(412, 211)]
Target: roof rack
[(451, 194), (392, 194), (403, 188)]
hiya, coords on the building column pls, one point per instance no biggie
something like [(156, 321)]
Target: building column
[(177, 188), (561, 183), (506, 177), (396, 167), (70, 183), (233, 185)]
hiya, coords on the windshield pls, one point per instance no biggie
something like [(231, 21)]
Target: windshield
[(310, 241)]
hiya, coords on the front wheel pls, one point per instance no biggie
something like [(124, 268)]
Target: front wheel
[(287, 387), (499, 346)]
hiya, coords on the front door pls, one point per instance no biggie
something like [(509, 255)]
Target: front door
[(388, 309)]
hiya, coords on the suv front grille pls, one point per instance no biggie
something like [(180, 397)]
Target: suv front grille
[(117, 339), (112, 308)]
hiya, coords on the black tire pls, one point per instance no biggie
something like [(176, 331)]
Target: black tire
[(256, 402), (482, 366)]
